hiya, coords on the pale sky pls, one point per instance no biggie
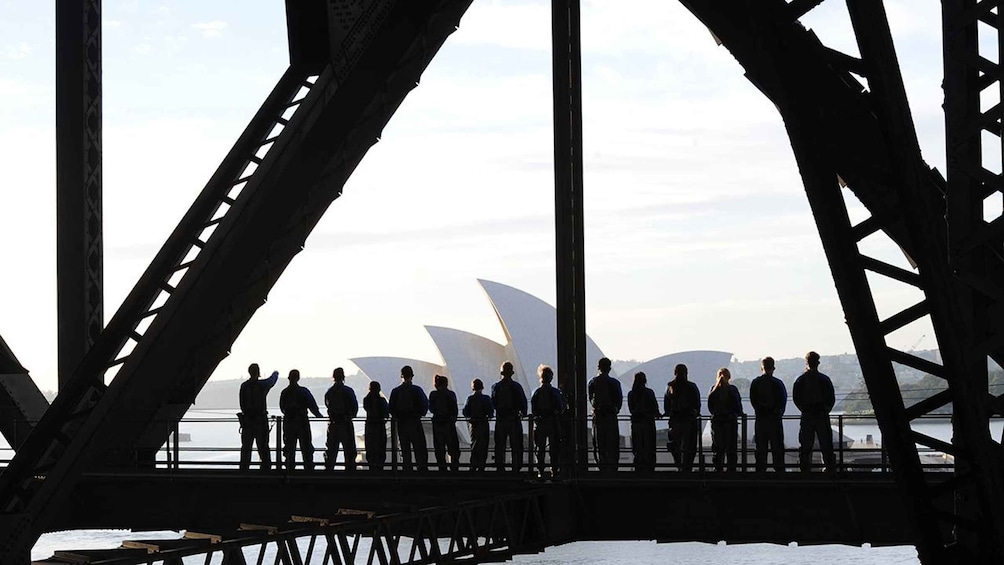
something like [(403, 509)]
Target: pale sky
[(698, 232)]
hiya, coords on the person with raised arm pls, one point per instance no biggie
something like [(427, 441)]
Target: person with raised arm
[(253, 417)]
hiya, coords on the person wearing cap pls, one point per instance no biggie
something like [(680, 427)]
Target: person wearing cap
[(295, 401), (478, 410), (606, 398), (253, 417), (443, 406), (408, 405), (342, 408), (547, 404), (375, 434), (814, 396), (769, 398), (510, 404)]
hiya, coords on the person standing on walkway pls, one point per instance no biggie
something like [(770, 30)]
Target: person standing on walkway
[(375, 433), (295, 401), (682, 404), (547, 405), (606, 398), (813, 395), (644, 410), (769, 398), (478, 410), (408, 405), (726, 407), (510, 404), (443, 405), (342, 408), (253, 417)]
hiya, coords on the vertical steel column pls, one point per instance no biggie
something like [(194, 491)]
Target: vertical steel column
[(974, 252), (79, 256), (568, 215)]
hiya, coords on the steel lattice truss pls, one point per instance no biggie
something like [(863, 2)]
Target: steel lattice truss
[(217, 267), (842, 132), (483, 531), (293, 159)]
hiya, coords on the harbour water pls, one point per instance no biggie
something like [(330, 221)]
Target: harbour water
[(209, 433)]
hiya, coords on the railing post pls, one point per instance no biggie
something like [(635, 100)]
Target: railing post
[(745, 443), (177, 448), (840, 432), (278, 443), (529, 442), (393, 444), (700, 443)]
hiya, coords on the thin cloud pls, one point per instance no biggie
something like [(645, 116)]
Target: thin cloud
[(17, 52), (211, 29)]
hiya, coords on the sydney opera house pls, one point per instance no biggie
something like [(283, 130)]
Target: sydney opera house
[(530, 326)]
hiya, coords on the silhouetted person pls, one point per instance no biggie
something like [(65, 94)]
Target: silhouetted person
[(510, 403), (814, 397), (769, 398), (478, 410), (606, 398), (725, 407), (375, 434), (295, 401), (547, 405), (682, 404), (254, 416), (443, 405), (644, 410), (408, 404), (342, 407)]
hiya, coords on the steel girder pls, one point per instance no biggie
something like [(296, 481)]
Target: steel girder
[(840, 131), (566, 57), (976, 227), (80, 255), (480, 531), (217, 267), (21, 403)]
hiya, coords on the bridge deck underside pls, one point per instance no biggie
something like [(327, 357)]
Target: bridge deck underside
[(816, 509)]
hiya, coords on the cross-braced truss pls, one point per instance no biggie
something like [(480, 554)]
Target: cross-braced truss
[(254, 215), (481, 531), (845, 133)]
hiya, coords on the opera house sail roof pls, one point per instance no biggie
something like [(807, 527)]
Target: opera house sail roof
[(530, 328)]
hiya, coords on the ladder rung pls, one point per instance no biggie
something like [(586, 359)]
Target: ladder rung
[(118, 361), (149, 313), (199, 243), (254, 159), (183, 266), (268, 140), (307, 84), (294, 103), (282, 121), (228, 200), (208, 224), (167, 287), (242, 179), (136, 336)]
